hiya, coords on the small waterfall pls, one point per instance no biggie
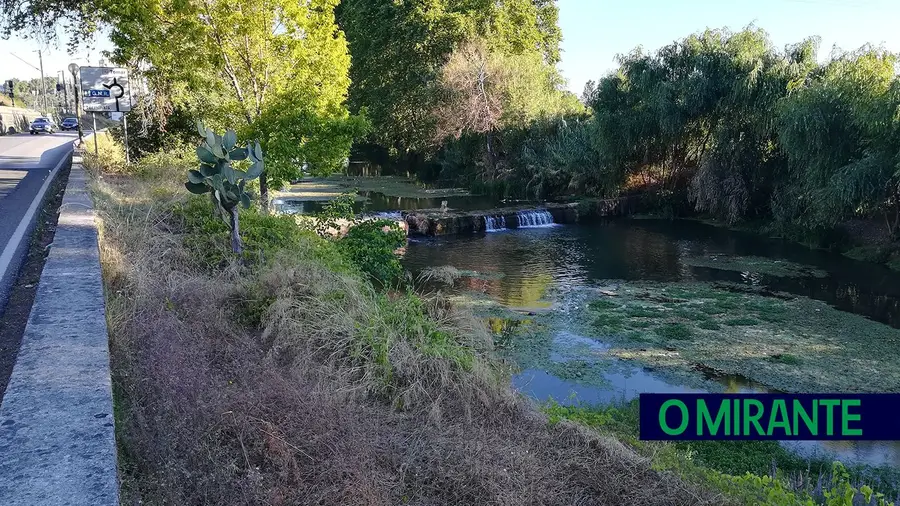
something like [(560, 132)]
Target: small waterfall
[(494, 223), (535, 219)]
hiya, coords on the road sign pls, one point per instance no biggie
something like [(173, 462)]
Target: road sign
[(105, 89)]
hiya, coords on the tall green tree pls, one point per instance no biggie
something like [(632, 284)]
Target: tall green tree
[(399, 48), (275, 70), (481, 91), (278, 69), (841, 133)]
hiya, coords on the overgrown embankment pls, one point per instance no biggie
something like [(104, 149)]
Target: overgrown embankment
[(288, 378)]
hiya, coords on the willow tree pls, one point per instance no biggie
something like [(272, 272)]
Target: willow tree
[(842, 136), (742, 163)]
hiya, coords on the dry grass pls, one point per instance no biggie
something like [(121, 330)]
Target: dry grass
[(332, 397)]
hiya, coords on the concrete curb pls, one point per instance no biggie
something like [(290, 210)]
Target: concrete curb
[(57, 432)]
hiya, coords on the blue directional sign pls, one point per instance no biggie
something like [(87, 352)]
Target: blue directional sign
[(99, 93)]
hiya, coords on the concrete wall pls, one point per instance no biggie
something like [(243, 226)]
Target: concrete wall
[(57, 430), (16, 119)]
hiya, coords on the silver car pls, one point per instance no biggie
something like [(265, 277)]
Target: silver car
[(42, 124)]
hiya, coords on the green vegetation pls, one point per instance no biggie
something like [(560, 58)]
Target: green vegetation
[(225, 183), (748, 472), (403, 53), (676, 331), (740, 322), (719, 122), (297, 364), (275, 70), (733, 330), (371, 246)]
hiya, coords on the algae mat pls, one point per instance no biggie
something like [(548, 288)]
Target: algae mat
[(755, 265), (792, 344)]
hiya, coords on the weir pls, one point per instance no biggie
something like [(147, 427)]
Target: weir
[(537, 218), (447, 221)]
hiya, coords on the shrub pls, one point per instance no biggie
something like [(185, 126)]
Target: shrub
[(335, 210), (371, 246), (263, 235), (111, 158)]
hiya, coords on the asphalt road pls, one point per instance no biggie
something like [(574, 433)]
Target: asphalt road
[(26, 161)]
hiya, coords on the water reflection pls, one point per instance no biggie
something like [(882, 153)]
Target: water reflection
[(655, 250)]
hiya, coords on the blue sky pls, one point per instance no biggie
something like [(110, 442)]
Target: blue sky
[(595, 31), (54, 55)]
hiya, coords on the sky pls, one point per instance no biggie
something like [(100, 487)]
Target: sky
[(54, 54), (595, 31)]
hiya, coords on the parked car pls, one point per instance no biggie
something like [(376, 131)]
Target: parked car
[(42, 124), (69, 124)]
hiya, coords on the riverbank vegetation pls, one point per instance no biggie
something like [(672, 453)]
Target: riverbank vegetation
[(288, 377), (309, 370), (754, 472), (719, 123)]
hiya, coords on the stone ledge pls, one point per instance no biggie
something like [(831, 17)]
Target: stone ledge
[(57, 433), (433, 222)]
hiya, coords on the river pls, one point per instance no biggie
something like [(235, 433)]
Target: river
[(547, 272)]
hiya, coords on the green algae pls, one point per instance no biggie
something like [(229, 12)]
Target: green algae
[(755, 265), (741, 322), (677, 331), (792, 344)]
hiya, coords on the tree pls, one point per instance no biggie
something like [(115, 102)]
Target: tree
[(840, 133), (277, 68), (588, 93), (399, 48), (481, 91)]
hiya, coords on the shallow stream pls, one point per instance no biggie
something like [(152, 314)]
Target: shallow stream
[(602, 312)]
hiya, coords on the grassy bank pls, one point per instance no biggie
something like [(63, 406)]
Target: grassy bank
[(288, 378), (753, 472)]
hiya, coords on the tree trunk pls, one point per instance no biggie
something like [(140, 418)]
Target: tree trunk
[(237, 246), (490, 154), (263, 193)]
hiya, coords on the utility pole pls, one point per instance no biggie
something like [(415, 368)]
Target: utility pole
[(76, 92), (65, 90), (43, 82)]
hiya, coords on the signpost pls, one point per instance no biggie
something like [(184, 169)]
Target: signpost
[(105, 89)]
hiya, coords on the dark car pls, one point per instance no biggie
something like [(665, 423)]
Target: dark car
[(69, 124), (41, 125)]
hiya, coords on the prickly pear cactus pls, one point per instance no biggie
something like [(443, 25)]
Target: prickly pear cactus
[(224, 183)]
